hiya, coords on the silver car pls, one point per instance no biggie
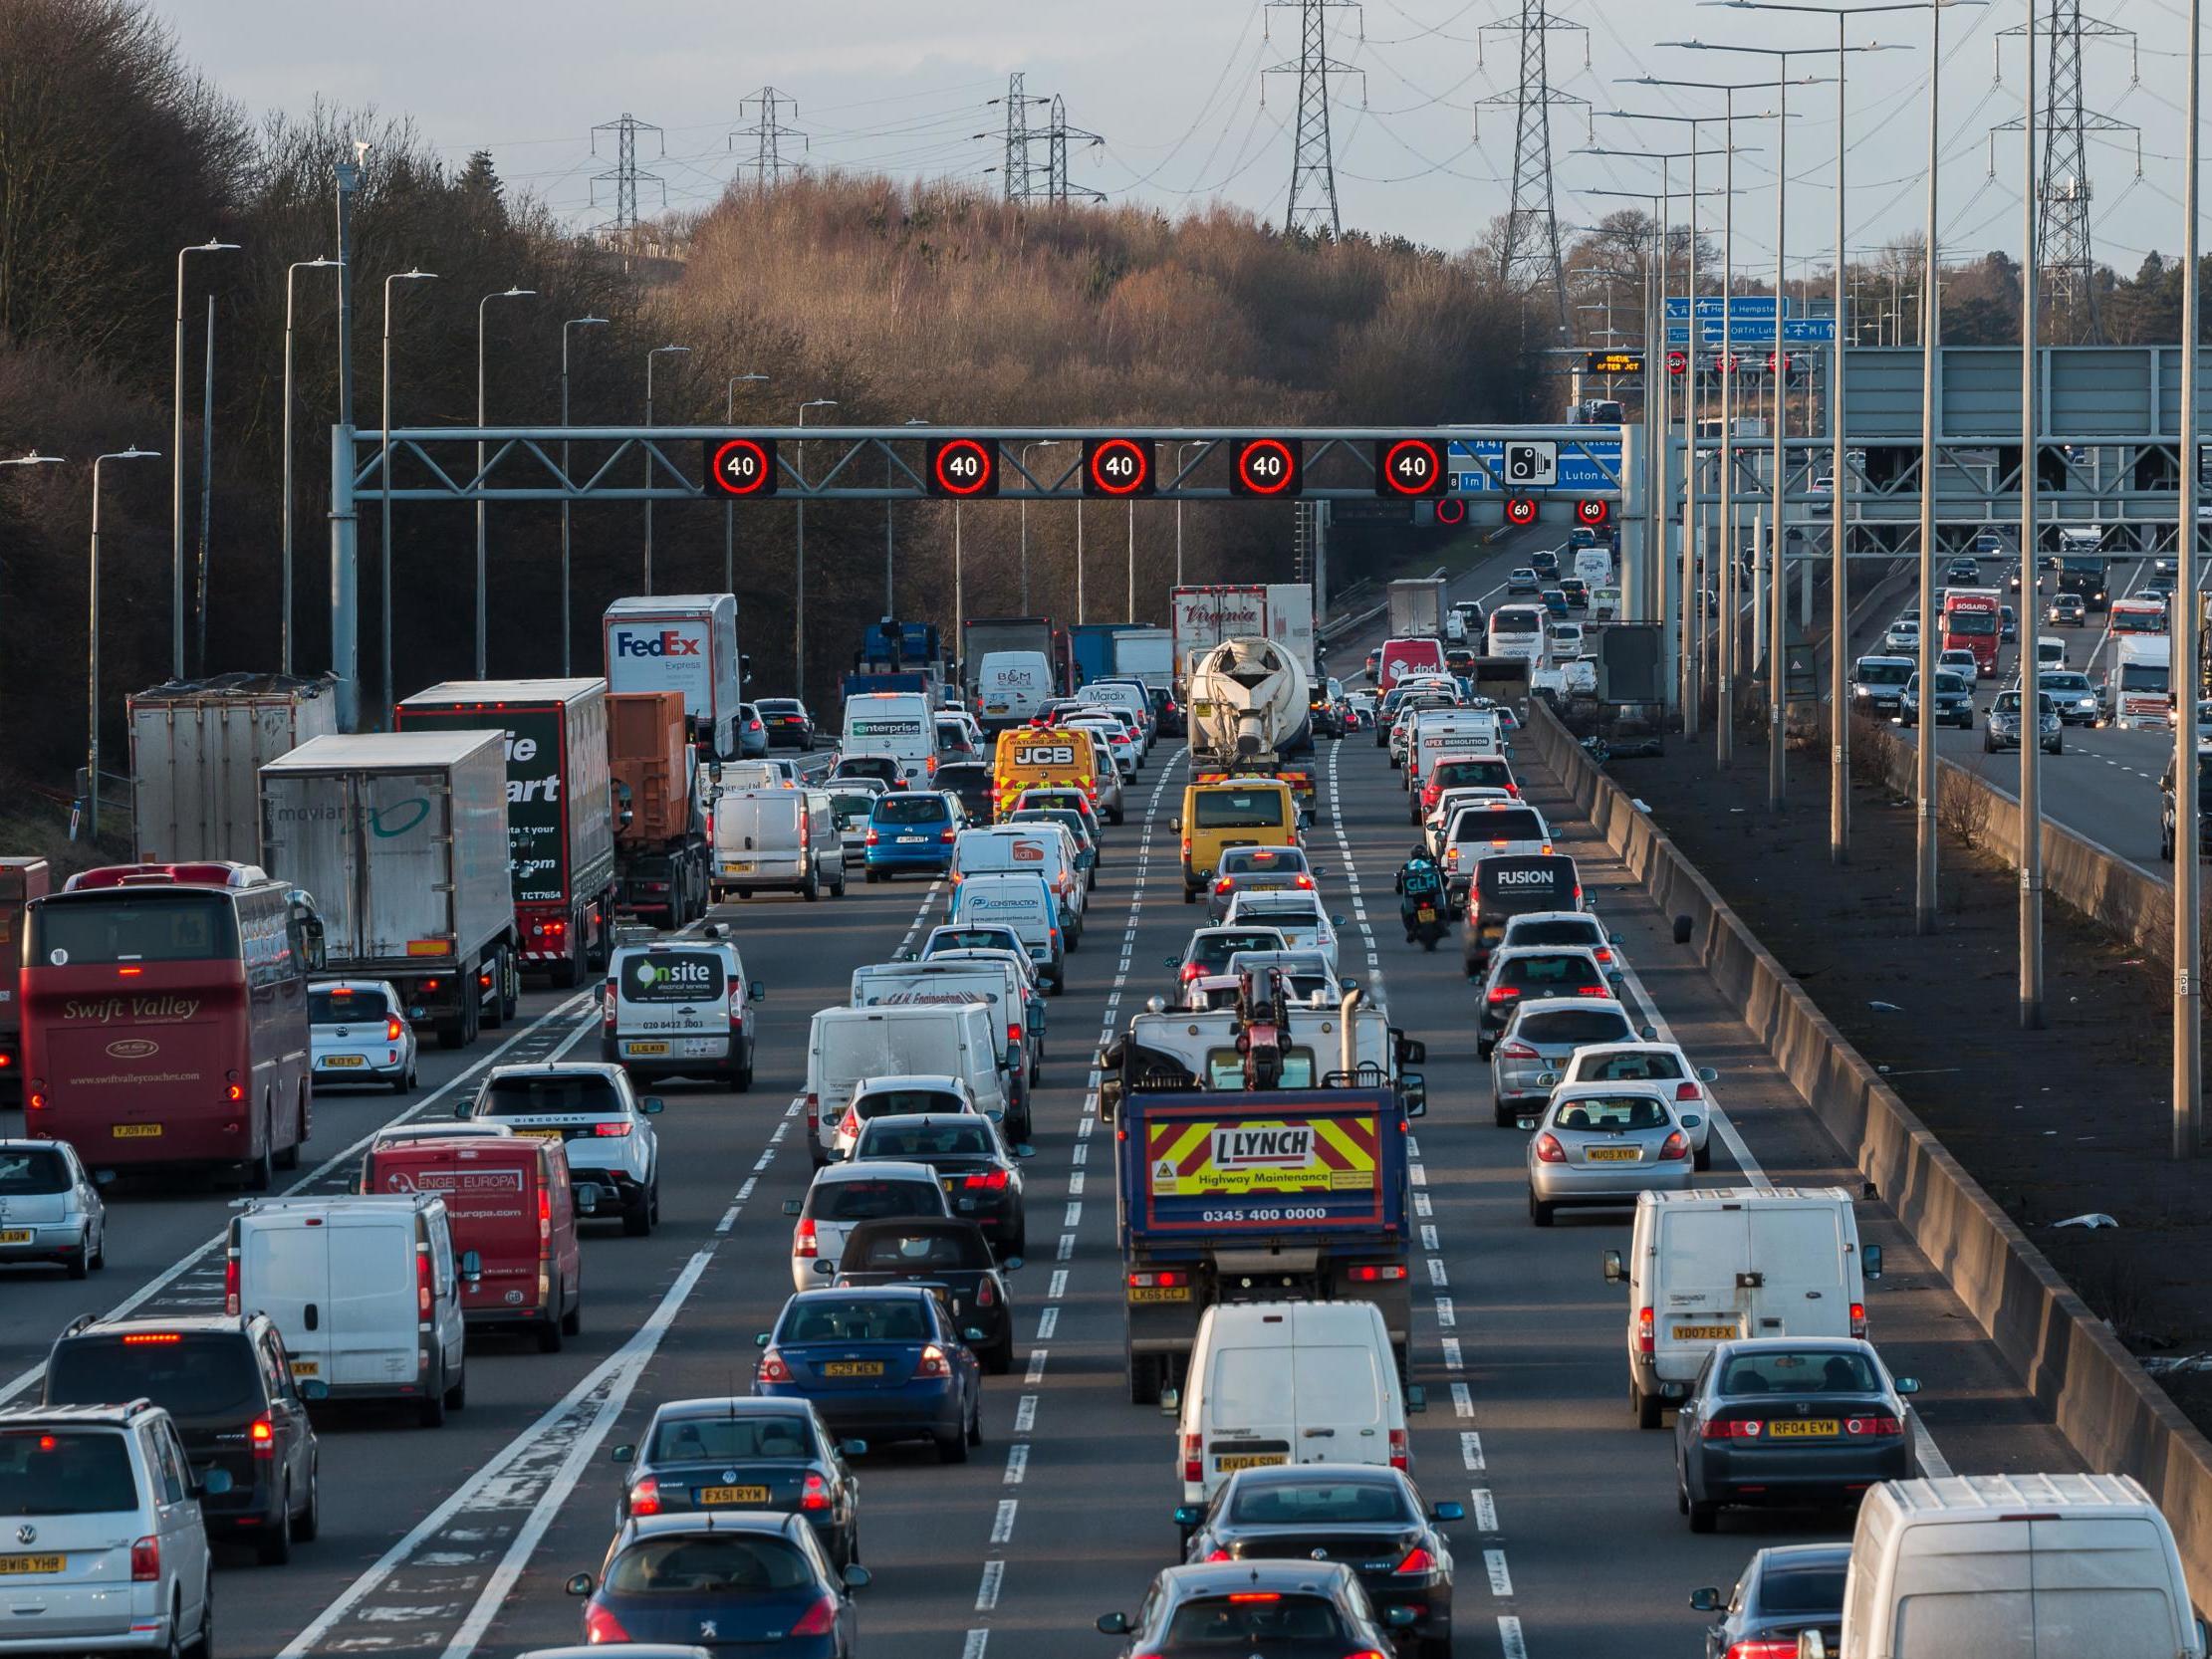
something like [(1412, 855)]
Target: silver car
[(50, 1211), (1604, 1143), (357, 1033), (2001, 728), (1256, 869), (1538, 1040), (1664, 1064)]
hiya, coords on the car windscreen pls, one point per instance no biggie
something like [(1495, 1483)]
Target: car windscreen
[(2070, 684), (854, 1320), (710, 1563), (1575, 1026), (339, 1006), (187, 1373), (527, 1097), (1240, 1623), (2139, 676), (1517, 618), (873, 1199), (63, 1471), (32, 1172), (1498, 824), (1611, 1113), (1884, 673), (884, 1250), (911, 809), (111, 925), (1225, 808), (1320, 1503), (925, 1141), (1799, 1371), (779, 705), (729, 1439)]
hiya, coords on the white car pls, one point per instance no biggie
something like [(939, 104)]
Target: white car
[(847, 1194), (1903, 637), (357, 1033), (1661, 1064), (1292, 912), (903, 1095), (1448, 803), (852, 802), (1311, 973), (613, 1151), (1118, 741)]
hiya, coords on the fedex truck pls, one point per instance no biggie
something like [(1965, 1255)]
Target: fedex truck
[(683, 642)]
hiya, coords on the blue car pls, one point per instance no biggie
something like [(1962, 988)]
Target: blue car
[(721, 1581), (911, 832), (887, 1359)]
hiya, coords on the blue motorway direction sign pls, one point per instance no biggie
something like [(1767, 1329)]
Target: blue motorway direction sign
[(1795, 330), (1578, 472), (1713, 304)]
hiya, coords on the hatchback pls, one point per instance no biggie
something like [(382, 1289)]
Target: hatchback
[(1649, 1062), (1603, 1144), (723, 1581), (970, 782), (1545, 563), (852, 801), (1283, 1609), (846, 1194), (2066, 611), (1523, 579), (1210, 948), (732, 1453), (357, 1033), (1522, 973), (51, 1210), (980, 1173), (951, 1253), (1954, 701), (1575, 592), (2002, 725), (1253, 870), (1538, 1040), (910, 832), (887, 1360), (752, 732)]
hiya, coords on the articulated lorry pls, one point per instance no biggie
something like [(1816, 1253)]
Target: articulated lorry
[(664, 856), (1418, 605), (683, 642), (197, 748)]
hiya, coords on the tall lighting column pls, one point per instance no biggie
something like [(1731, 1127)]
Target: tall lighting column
[(2188, 948), (567, 631), (176, 464)]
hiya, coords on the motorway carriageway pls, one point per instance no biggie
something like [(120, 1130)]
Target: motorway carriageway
[(455, 1542)]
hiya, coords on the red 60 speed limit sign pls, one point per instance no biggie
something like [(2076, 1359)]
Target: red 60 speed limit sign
[(1408, 467), (741, 466), (1116, 467), (1267, 467), (964, 468)]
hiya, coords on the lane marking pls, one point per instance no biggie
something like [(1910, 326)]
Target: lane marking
[(1470, 1450), (1509, 1639), (976, 1642), (1025, 1414), (1501, 1581), (1486, 1511), (1002, 1529), (987, 1592), (1047, 1324)]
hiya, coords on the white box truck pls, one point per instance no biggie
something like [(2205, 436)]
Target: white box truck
[(197, 748), (401, 836), (1278, 610), (1417, 608), (683, 642)]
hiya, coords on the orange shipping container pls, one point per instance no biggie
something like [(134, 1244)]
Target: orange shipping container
[(645, 742)]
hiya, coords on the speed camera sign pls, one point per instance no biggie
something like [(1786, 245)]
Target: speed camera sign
[(1531, 464)]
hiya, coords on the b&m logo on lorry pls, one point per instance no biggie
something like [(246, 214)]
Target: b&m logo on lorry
[(668, 642)]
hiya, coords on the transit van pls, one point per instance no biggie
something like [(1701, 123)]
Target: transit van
[(776, 839), (1010, 688), (366, 1292), (1721, 1262), (2037, 1567), (847, 1046), (940, 983), (1041, 849), (507, 1199), (902, 724), (1043, 757), (1279, 1382), (1025, 904)]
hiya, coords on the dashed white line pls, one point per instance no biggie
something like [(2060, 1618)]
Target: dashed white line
[(987, 1592), (1501, 1581), (1047, 1324), (1017, 1463), (1025, 1414), (1486, 1511), (1470, 1449), (1002, 1527)]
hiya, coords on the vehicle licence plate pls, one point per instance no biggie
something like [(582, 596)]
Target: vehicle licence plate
[(853, 1368), (1426, 913), (645, 1048), (736, 867), (733, 1495), (306, 1367), (1611, 1155), (908, 841), (33, 1564), (136, 1132), (1159, 1293), (1703, 1332), (544, 1134), (341, 1060), (16, 1235), (1229, 1464), (1810, 1428)]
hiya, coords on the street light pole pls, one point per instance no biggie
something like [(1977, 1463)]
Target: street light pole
[(291, 271), (729, 508), (482, 418), (1047, 443), (91, 663), (567, 646), (799, 605), (1924, 832), (1179, 449), (176, 466), (657, 350), (383, 481), (2187, 673), (891, 544)]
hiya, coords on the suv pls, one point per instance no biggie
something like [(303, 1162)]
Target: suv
[(613, 1151), (225, 1382), (105, 1518)]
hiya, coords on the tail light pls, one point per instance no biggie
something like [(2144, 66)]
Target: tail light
[(1502, 993), (145, 1561), (1872, 1426), (262, 1435), (230, 1286), (1194, 1459), (802, 1240), (601, 1626), (1644, 1328), (1858, 1320), (1517, 1050), (545, 1218), (1594, 991), (1761, 1648), (1223, 886), (1013, 1032), (1166, 1279), (872, 837), (422, 1282), (1676, 1145), (1191, 970), (1217, 1554), (737, 1005), (945, 835), (985, 1296), (611, 1131), (819, 1620), (771, 1368), (1377, 1275), (644, 1496), (1688, 1091), (608, 996), (1400, 1453), (1603, 953), (1549, 1150), (933, 1362), (814, 1115), (1514, 791), (816, 1494), (391, 1031), (1417, 1559), (850, 1123), (1732, 1428), (990, 1180)]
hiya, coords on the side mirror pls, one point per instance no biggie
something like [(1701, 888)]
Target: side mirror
[(792, 1205), (1706, 1074), (1870, 1261), (586, 1199), (1906, 1385), (624, 1454), (1614, 1272), (1648, 1032), (1170, 962), (823, 1267), (856, 1577), (1117, 1624), (1811, 1645), (1023, 1149), (1171, 1401), (472, 1266), (757, 990), (1348, 984), (213, 1484), (760, 1338), (1416, 1399), (1190, 1515), (581, 1584), (461, 1108), (314, 1388), (1011, 1265), (1176, 823), (1706, 1600), (1524, 1122), (652, 1106), (1399, 1617), (1447, 1511), (1413, 1093), (852, 1448)]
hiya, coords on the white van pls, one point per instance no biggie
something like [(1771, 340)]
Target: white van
[(1448, 734), (1286, 1382), (903, 724), (345, 1280), (847, 1044), (776, 839), (997, 985), (680, 1007), (1041, 849), (1594, 566), (1010, 688), (1024, 903), (2033, 1566), (2050, 652), (1718, 1262)]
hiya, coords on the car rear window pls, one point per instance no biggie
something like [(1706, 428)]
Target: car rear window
[(894, 1102), (1215, 949), (853, 805), (187, 1373), (937, 1140), (1217, 809), (339, 1007), (32, 1172), (854, 1320), (911, 809), (1498, 824), (1637, 1066), (1573, 1025), (529, 1097), (1251, 1616), (721, 1438), (1567, 930), (882, 1200), (1320, 1503), (1263, 860), (710, 1563), (1491, 774), (1605, 1114), (1799, 1371), (1535, 973), (973, 938), (65, 1471), (884, 1252), (1801, 1589)]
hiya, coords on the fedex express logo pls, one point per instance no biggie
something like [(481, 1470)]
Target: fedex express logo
[(668, 642)]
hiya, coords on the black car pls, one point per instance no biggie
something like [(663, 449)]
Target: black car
[(1954, 701), (1786, 1589), (737, 1455), (1545, 563), (1283, 1609), (723, 1582), (1789, 1421), (227, 1383), (971, 782), (917, 1250), (981, 1175), (788, 723), (1321, 714), (883, 768), (1372, 1519)]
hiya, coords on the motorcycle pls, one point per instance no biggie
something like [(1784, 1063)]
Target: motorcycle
[(1421, 899)]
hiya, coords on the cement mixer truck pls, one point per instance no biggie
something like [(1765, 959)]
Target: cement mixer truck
[(1248, 701)]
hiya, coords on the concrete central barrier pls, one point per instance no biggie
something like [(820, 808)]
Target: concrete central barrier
[(2113, 1415)]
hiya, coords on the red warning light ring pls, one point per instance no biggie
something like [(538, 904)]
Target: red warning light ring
[(1593, 512), (1141, 461), (1271, 446), (764, 476), (1521, 509), (1453, 510), (1421, 446), (963, 446)]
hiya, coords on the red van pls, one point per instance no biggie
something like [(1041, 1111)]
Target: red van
[(509, 1200)]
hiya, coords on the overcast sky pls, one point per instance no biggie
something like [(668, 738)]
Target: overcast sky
[(1174, 88)]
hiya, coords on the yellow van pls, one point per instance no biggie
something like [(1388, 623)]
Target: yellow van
[(1042, 757), (1235, 811)]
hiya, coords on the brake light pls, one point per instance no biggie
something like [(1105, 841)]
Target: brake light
[(816, 1494), (263, 1435), (802, 1237), (814, 1115), (1676, 1145), (1502, 993), (1377, 1274), (1165, 1279), (1593, 991), (993, 1180), (600, 1625), (145, 1561), (1517, 1050), (1013, 1034), (1217, 1554), (1872, 1425), (1762, 1649), (1417, 1559), (737, 1004), (1603, 953), (230, 1285), (1688, 1091), (1222, 885), (607, 1008), (1400, 1454), (821, 1619), (933, 1362), (1194, 1459), (850, 1123), (1858, 1320), (1645, 1344), (1733, 1428), (772, 1367), (1549, 1150), (545, 1218), (1191, 970), (423, 1280)]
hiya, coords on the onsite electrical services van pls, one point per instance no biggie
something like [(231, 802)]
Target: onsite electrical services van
[(680, 1007), (1721, 1262)]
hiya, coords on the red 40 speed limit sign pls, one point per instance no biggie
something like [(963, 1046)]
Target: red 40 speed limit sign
[(741, 467)]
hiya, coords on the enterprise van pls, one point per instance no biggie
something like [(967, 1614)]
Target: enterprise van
[(903, 724), (1721, 1262)]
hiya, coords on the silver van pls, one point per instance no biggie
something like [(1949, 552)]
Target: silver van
[(776, 840), (680, 1007)]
